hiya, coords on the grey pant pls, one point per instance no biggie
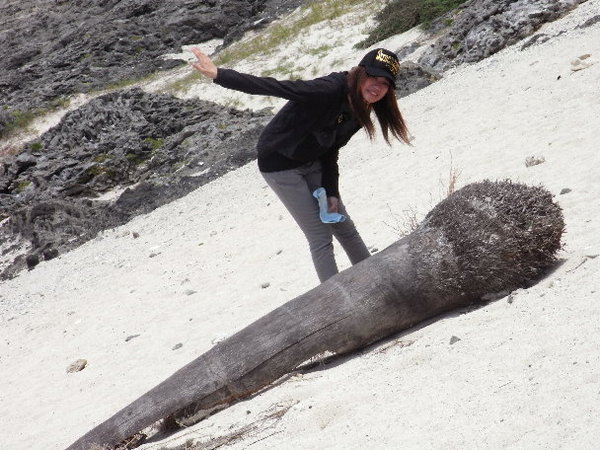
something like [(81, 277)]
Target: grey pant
[(294, 188)]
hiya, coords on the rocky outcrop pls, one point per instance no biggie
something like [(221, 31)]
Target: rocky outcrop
[(122, 154), (413, 77), (480, 28), (472, 32), (50, 49)]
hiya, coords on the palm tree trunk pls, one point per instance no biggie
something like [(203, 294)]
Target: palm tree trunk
[(480, 240)]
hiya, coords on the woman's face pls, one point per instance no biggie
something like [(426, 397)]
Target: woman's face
[(374, 89)]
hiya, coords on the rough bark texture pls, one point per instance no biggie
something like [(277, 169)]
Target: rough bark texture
[(485, 238)]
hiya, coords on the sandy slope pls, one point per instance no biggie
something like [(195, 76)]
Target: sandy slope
[(524, 374)]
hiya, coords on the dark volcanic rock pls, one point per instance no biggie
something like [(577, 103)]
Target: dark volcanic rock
[(481, 28), (478, 29), (155, 147), (590, 22), (413, 77), (50, 49)]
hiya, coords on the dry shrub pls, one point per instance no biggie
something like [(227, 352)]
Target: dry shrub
[(408, 221), (453, 176), (399, 16), (405, 223)]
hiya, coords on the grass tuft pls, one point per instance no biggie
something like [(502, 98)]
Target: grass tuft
[(154, 143), (20, 120), (399, 16)]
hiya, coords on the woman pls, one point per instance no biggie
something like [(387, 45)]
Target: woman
[(298, 149)]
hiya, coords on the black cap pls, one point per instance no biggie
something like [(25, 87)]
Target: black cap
[(381, 63)]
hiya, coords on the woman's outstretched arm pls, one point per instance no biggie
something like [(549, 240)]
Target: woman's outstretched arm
[(320, 89), (204, 64)]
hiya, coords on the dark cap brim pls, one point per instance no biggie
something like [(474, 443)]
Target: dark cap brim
[(376, 72)]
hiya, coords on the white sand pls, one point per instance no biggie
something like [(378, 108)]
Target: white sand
[(525, 374)]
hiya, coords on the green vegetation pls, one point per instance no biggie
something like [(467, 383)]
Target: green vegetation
[(36, 146), (19, 120), (399, 16), (127, 82), (22, 185), (154, 144), (98, 169), (184, 83), (22, 119), (323, 49), (101, 157), (95, 170), (234, 103), (134, 158), (284, 70)]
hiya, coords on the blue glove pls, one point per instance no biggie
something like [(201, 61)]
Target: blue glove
[(326, 216)]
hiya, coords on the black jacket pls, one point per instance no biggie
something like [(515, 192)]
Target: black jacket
[(313, 125)]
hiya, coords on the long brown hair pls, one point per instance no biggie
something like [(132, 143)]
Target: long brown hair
[(387, 111)]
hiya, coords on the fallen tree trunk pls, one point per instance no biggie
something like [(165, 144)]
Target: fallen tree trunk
[(485, 238)]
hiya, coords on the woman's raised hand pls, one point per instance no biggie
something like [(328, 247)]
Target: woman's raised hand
[(204, 64)]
